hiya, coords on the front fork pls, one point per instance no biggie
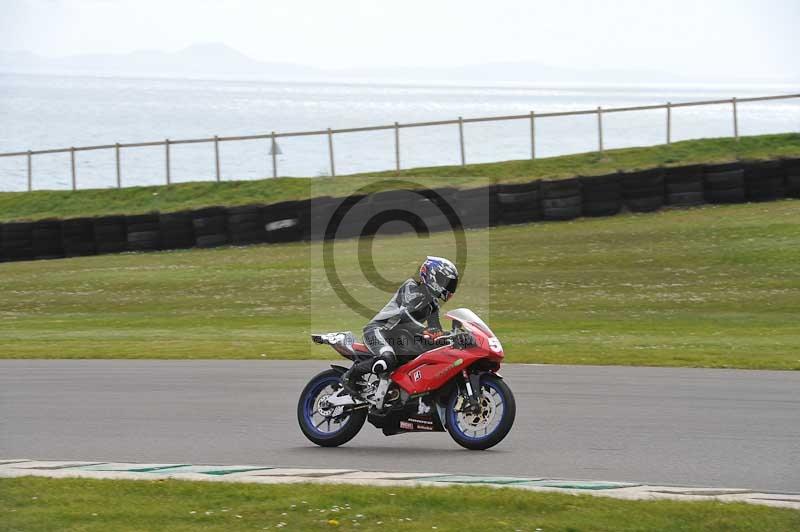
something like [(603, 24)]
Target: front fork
[(472, 383)]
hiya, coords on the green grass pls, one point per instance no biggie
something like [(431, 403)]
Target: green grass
[(45, 204), (704, 287), (32, 504)]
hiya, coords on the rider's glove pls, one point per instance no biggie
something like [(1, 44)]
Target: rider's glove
[(463, 340), (432, 334)]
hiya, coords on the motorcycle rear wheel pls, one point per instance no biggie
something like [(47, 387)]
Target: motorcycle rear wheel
[(312, 418), (497, 402)]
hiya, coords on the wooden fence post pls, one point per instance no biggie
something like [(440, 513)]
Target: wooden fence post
[(735, 120), (119, 169), (397, 146), (72, 163), (600, 129), (216, 156), (533, 135), (30, 171), (461, 140), (669, 122), (330, 152), (166, 153), (274, 152)]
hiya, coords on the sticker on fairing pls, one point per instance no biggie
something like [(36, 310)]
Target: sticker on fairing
[(416, 376)]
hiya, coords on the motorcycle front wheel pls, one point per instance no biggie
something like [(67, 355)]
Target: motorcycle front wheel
[(323, 425), (484, 429)]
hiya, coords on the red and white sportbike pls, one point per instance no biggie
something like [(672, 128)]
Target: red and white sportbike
[(453, 386)]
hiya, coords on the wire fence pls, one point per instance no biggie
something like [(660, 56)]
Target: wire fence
[(274, 149)]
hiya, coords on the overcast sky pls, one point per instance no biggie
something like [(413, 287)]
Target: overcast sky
[(689, 37)]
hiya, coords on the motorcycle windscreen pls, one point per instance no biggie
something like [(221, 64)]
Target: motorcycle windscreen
[(465, 315)]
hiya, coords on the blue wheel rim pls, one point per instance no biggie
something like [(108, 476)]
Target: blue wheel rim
[(308, 408), (452, 415)]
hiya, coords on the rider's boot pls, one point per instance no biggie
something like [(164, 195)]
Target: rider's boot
[(352, 378), (380, 365)]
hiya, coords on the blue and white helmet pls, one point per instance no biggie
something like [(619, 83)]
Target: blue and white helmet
[(440, 276)]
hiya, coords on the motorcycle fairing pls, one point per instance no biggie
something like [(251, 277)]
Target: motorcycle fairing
[(433, 369), (408, 419)]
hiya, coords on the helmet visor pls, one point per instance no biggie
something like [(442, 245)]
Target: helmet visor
[(450, 288)]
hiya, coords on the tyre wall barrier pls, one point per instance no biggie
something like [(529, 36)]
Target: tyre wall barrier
[(478, 207), (316, 216), (292, 221), (517, 203), (601, 194), (683, 186), (643, 191), (724, 183), (285, 221), (436, 209), (46, 236), (210, 227), (765, 181), (792, 170), (561, 200), (16, 240), (144, 232), (246, 224), (380, 212), (177, 230), (110, 234), (77, 237)]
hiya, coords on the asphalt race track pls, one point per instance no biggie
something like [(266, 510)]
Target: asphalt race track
[(724, 428)]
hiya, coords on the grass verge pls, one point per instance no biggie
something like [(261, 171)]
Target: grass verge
[(80, 504), (716, 286), (46, 204)]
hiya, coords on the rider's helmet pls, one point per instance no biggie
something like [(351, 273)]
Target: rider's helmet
[(440, 276)]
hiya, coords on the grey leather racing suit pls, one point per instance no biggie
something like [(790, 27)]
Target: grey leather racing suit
[(390, 334)]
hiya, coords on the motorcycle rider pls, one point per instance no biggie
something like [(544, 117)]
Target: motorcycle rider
[(415, 302)]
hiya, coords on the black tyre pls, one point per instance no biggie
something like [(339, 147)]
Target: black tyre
[(645, 192), (327, 427), (210, 225), (112, 246), (283, 222), (645, 179), (686, 198), (496, 399), (724, 180), (681, 187), (211, 241), (519, 207), (560, 203), (477, 207), (731, 195), (602, 208), (768, 189), (521, 217), (253, 209), (518, 200), (562, 213), (649, 204), (252, 237), (477, 212), (793, 186), (560, 188)]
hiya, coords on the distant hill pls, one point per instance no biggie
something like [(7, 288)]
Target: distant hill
[(197, 61), (219, 61)]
